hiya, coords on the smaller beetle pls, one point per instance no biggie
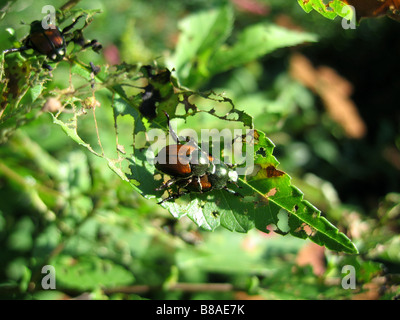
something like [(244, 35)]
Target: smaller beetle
[(212, 180), (50, 42)]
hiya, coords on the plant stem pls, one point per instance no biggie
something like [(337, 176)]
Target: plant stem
[(69, 5)]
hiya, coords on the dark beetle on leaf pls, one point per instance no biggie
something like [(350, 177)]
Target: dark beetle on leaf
[(190, 168), (182, 160), (50, 41)]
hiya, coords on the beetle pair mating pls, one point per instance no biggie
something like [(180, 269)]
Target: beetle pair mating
[(192, 169), (52, 41)]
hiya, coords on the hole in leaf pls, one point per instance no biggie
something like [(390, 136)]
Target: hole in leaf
[(271, 227), (300, 229), (261, 152), (309, 231), (283, 221), (232, 116)]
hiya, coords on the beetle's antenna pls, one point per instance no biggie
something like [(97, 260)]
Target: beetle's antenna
[(173, 133)]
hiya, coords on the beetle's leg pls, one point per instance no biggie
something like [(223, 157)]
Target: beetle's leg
[(94, 44), (95, 70), (199, 182), (80, 40), (171, 130), (67, 28), (12, 50), (237, 194), (174, 196), (172, 181), (235, 183), (23, 48), (183, 185), (47, 67), (167, 184)]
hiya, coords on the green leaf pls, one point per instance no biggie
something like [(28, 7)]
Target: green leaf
[(89, 272), (201, 34), (70, 130), (201, 52), (121, 108), (305, 221), (32, 94), (254, 42), (79, 70), (330, 10), (21, 86), (269, 200)]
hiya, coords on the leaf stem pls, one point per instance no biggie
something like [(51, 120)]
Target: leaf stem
[(70, 4)]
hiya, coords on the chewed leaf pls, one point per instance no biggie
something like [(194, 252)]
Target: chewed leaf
[(330, 10), (21, 86), (276, 192), (363, 9), (71, 132), (159, 95), (263, 198), (266, 194), (158, 91)]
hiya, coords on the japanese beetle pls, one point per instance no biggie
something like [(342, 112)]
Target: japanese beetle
[(192, 169), (50, 41), (181, 161), (217, 179)]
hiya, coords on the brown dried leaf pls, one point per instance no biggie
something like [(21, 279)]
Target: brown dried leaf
[(314, 255), (335, 92), (375, 8)]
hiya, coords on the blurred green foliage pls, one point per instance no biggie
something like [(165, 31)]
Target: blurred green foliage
[(59, 206)]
